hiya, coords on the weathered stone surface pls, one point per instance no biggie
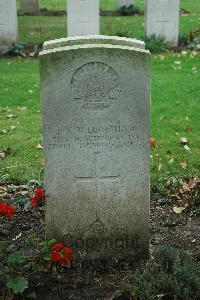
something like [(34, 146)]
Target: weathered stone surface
[(8, 23), (162, 19), (95, 112), (93, 39), (121, 3), (29, 6), (82, 17)]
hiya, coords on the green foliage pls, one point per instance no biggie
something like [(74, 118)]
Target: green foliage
[(11, 266), (120, 32), (156, 44), (15, 49), (17, 285), (2, 247), (172, 273), (31, 239), (45, 249), (129, 10), (195, 45), (182, 39), (16, 257)]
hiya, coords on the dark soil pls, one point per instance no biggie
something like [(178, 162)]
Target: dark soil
[(92, 281), (58, 13), (103, 13)]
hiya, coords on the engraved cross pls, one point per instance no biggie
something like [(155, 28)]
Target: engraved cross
[(97, 178), (163, 24), (163, 21)]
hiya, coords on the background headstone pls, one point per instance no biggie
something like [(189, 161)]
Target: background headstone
[(8, 22), (121, 3), (95, 112), (29, 6), (162, 19), (82, 17)]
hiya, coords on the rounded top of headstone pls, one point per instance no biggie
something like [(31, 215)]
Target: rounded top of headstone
[(93, 39)]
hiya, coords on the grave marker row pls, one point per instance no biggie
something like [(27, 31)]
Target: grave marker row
[(161, 18)]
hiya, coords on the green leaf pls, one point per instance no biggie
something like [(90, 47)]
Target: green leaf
[(17, 285), (2, 272), (16, 257), (51, 242), (47, 257)]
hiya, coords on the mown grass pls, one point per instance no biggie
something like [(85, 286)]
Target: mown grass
[(175, 113), (190, 5), (61, 4), (36, 30)]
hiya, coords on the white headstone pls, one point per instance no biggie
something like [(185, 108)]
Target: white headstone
[(126, 3), (162, 19), (82, 17), (95, 112), (30, 6), (93, 39), (8, 22)]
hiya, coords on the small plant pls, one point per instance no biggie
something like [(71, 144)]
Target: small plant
[(156, 44), (6, 210), (38, 197), (53, 251), (15, 49), (172, 274), (10, 266), (46, 249), (62, 254), (183, 40), (129, 10), (195, 44)]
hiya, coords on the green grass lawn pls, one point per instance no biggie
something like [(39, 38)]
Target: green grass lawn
[(190, 5), (36, 30), (175, 96), (61, 4), (175, 113)]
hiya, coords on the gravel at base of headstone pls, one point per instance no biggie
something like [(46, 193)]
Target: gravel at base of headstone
[(95, 120)]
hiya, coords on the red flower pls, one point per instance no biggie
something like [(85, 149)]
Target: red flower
[(61, 254), (6, 210), (39, 195)]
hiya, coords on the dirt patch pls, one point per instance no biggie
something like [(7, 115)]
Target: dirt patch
[(46, 12)]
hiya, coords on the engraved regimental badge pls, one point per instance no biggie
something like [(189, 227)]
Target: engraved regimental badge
[(96, 85)]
